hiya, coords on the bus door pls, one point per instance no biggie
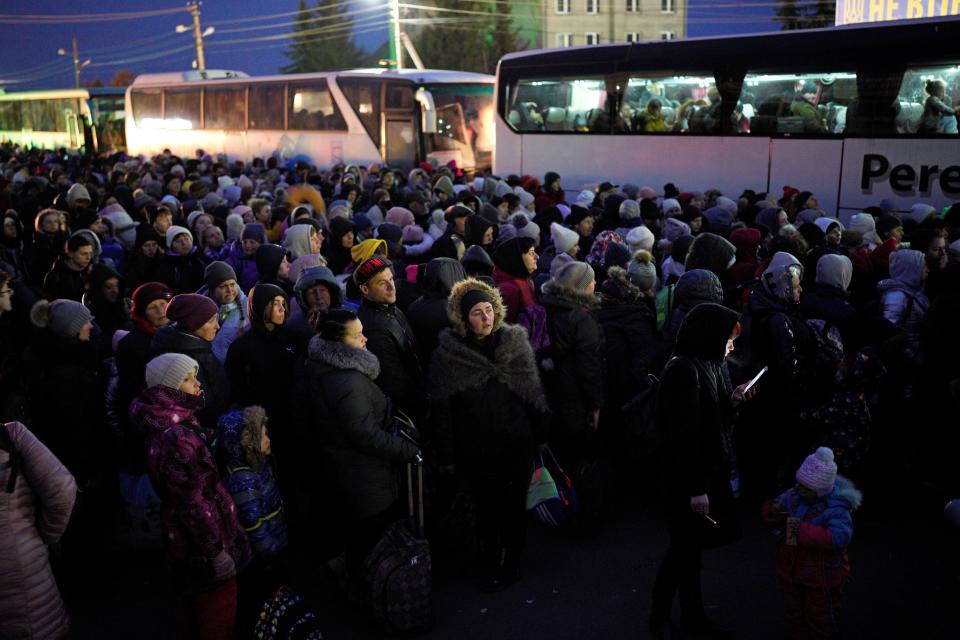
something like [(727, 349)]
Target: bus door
[(399, 136), (73, 127)]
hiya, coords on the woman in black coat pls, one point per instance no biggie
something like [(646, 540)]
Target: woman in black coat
[(489, 416), (575, 382), (694, 416), (350, 417)]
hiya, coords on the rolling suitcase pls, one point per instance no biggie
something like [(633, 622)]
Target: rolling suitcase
[(397, 572)]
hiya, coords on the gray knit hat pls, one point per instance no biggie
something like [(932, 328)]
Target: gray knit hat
[(216, 274), (641, 271), (575, 275), (64, 317), (169, 370)]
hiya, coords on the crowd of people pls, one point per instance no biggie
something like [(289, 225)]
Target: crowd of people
[(230, 352)]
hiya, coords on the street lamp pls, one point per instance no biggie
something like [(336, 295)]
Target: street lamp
[(77, 65), (198, 35)]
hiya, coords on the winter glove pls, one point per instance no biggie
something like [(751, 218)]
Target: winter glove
[(223, 567)]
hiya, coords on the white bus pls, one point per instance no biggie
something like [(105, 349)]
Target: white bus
[(46, 119), (363, 116), (835, 111), (75, 119)]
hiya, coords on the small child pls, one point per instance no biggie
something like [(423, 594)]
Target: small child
[(244, 449), (814, 528)]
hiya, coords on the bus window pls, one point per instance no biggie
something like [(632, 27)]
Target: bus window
[(363, 94), (559, 105), (147, 105), (223, 108), (929, 101), (312, 108), (399, 96), (802, 104), (265, 109), (10, 116), (181, 109), (44, 116), (670, 103), (471, 102)]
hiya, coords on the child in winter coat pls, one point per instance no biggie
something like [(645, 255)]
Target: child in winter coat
[(205, 544), (814, 525), (244, 447)]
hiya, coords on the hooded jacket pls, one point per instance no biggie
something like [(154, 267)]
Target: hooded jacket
[(902, 300), (575, 384), (632, 345), (349, 417), (33, 516), (233, 319), (694, 412), (299, 324), (747, 243), (828, 298), (198, 515), (694, 287), (244, 266), (297, 240), (428, 314), (711, 252), (260, 364), (249, 479), (488, 403)]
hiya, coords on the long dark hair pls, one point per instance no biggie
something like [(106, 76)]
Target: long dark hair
[(332, 325)]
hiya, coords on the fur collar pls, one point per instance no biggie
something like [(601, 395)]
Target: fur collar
[(460, 289), (457, 367), (562, 296), (619, 288), (340, 356)]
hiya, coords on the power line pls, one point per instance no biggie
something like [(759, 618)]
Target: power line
[(14, 18)]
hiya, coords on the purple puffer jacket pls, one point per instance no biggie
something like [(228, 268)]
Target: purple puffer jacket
[(245, 268), (198, 515)]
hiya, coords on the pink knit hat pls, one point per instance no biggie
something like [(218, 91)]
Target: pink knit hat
[(400, 216), (818, 472)]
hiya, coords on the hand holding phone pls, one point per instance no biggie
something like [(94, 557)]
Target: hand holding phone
[(747, 390)]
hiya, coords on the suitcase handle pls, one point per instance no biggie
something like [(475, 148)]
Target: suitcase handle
[(415, 498)]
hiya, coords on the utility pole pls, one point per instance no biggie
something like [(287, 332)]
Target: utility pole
[(194, 10), (396, 39), (76, 64)]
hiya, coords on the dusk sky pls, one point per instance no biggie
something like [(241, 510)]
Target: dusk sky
[(150, 44)]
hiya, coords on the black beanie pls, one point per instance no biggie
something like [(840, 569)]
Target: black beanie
[(471, 298), (509, 256)]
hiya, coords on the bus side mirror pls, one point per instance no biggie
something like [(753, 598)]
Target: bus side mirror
[(428, 110)]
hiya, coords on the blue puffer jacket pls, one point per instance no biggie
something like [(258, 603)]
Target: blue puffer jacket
[(254, 491), (819, 558)]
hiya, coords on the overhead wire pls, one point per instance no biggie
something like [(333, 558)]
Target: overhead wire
[(38, 19)]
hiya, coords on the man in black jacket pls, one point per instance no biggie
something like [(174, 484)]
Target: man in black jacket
[(390, 337)]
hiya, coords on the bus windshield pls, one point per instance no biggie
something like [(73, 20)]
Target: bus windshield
[(464, 116)]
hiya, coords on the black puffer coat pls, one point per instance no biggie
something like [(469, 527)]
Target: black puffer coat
[(63, 282), (575, 383), (633, 347), (183, 274), (212, 376), (349, 422)]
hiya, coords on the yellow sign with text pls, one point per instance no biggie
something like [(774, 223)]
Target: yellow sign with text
[(857, 11)]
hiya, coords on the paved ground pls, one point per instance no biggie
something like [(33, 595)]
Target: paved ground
[(597, 587)]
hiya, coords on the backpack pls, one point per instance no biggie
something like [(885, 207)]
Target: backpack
[(286, 616), (6, 444), (665, 302), (533, 318), (639, 433)]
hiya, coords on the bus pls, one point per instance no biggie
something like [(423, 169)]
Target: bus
[(838, 111), (396, 117), (74, 119)]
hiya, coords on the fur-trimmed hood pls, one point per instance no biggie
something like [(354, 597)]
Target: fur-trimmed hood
[(460, 289), (341, 356), (457, 366), (617, 288), (845, 491), (558, 295)]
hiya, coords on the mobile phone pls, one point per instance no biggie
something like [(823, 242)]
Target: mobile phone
[(709, 519), (755, 378)]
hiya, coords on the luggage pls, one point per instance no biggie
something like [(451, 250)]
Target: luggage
[(397, 572)]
